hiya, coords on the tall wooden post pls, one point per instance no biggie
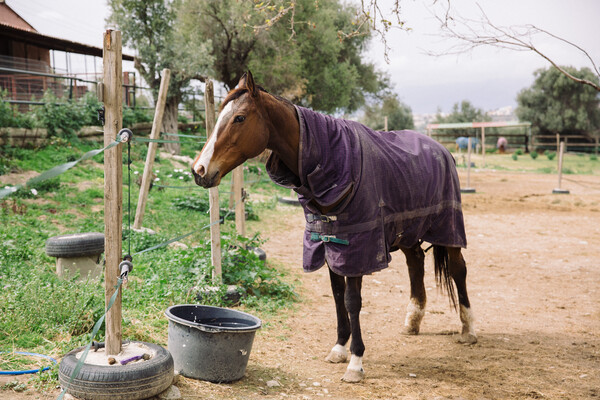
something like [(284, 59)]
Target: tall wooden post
[(385, 123), (213, 193), (238, 192), (113, 184), (483, 147), (468, 189), (559, 189), (154, 134)]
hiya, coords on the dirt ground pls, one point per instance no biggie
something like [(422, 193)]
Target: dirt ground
[(533, 282)]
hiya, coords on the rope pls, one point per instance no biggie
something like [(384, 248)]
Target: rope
[(81, 361), (59, 169)]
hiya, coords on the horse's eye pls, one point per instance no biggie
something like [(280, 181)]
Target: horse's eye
[(238, 119)]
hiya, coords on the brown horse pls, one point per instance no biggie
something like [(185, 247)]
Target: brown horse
[(364, 194)]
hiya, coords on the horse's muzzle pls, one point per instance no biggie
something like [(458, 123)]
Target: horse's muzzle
[(207, 181)]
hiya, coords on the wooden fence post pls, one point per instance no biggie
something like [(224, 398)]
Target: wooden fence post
[(113, 184), (483, 147), (213, 193), (559, 189), (468, 189), (238, 191), (154, 134)]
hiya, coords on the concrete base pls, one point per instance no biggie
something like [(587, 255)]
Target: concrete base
[(87, 267), (560, 191), (467, 190)]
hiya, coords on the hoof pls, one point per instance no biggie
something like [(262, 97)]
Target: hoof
[(353, 376), (467, 338), (336, 357), (410, 330)]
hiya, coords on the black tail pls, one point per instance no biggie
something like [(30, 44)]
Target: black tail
[(442, 273)]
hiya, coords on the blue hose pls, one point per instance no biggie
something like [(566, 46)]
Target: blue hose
[(29, 371)]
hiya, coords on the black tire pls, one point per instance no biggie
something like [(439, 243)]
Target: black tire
[(134, 381), (75, 245), (259, 252)]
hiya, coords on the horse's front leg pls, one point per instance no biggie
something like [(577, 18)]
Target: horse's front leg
[(353, 301), (338, 353)]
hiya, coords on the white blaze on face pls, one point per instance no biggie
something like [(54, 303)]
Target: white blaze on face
[(208, 151)]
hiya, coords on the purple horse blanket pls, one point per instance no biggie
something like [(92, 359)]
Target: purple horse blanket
[(393, 189)]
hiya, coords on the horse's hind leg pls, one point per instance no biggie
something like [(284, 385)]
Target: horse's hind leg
[(353, 300), (338, 353), (458, 270), (415, 260)]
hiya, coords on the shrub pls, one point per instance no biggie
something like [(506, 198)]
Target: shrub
[(519, 152), (534, 154), (134, 115), (593, 157), (551, 155), (57, 115), (514, 156)]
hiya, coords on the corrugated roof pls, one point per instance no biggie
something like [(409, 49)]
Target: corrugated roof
[(52, 43), (8, 16)]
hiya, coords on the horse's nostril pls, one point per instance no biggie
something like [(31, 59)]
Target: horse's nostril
[(201, 171)]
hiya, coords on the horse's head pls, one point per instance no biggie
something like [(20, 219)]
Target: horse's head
[(240, 133)]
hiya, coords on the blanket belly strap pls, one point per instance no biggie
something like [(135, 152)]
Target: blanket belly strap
[(316, 237), (327, 228)]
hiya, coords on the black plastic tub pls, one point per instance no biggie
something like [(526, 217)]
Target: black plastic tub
[(210, 343)]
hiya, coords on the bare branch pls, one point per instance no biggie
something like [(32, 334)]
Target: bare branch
[(483, 32)]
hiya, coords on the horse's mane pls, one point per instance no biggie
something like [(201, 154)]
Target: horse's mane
[(239, 92), (236, 94)]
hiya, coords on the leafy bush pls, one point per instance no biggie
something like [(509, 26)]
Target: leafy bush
[(534, 154), (514, 156), (9, 116), (519, 152), (195, 203), (593, 157), (551, 155), (58, 115), (134, 115)]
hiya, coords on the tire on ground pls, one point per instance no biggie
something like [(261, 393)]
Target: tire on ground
[(133, 381), (75, 245)]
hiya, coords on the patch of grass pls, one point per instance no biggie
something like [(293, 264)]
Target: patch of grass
[(41, 313)]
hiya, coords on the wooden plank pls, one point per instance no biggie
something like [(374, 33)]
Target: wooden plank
[(238, 191), (213, 193), (113, 184), (154, 134)]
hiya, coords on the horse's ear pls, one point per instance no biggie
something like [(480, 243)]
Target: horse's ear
[(252, 88), (242, 81)]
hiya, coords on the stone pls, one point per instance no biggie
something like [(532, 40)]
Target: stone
[(172, 393)]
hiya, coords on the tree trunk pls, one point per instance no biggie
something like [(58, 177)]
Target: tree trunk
[(169, 125)]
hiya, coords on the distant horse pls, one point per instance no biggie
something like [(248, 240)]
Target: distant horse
[(502, 144), (463, 142), (364, 194)]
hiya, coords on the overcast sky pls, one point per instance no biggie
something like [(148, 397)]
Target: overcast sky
[(490, 78)]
